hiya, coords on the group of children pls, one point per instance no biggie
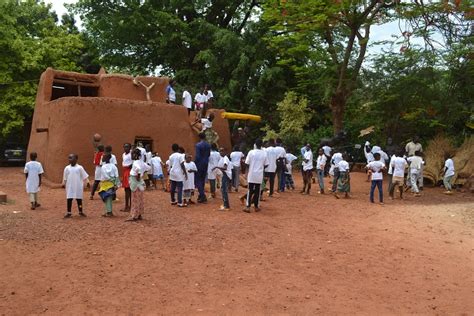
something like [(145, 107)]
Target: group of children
[(267, 162), (202, 100)]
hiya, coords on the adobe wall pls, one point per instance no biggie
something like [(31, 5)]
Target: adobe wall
[(109, 85), (121, 86), (73, 120)]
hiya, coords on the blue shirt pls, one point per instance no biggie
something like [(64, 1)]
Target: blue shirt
[(203, 150)]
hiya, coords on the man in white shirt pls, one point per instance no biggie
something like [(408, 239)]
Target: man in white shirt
[(413, 145), (187, 101), (270, 170), (307, 170), (256, 162), (416, 163), (398, 165)]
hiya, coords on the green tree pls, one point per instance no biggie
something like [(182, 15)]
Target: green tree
[(326, 40), (30, 41), (294, 116), (196, 42)]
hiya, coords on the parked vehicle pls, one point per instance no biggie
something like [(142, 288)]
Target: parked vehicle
[(14, 153)]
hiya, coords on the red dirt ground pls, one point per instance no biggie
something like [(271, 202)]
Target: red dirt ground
[(302, 255)]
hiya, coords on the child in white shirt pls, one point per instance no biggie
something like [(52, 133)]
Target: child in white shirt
[(188, 185), (448, 174), (225, 166), (33, 171), (236, 157), (73, 180), (157, 171), (344, 179), (377, 167), (320, 167), (290, 183)]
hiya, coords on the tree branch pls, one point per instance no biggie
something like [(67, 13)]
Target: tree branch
[(247, 15)]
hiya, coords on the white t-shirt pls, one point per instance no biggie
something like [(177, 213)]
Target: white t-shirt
[(411, 147), (415, 163), (109, 171), (399, 165), (327, 150), (336, 158), (343, 166), (148, 156), (171, 94), (449, 164), (390, 167), (206, 124), (321, 162), (376, 167), (176, 172), (289, 159), (200, 98), (214, 158), (236, 157), (272, 156), (308, 165), (209, 95), (73, 178), (187, 99), (189, 183), (257, 160), (127, 159), (142, 153), (225, 161), (33, 169), (156, 166), (280, 152), (139, 168), (113, 160)]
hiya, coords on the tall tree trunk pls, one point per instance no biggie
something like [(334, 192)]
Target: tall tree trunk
[(338, 104)]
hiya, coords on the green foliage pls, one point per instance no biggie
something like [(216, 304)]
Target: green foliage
[(196, 42), (408, 94), (294, 116), (30, 41)]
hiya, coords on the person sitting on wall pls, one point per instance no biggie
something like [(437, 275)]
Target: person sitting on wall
[(205, 126), (170, 93)]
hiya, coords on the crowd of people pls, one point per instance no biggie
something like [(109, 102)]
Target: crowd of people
[(266, 170)]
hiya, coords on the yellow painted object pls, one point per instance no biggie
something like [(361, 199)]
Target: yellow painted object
[(241, 116)]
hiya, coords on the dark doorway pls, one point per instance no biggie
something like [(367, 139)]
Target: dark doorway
[(144, 140)]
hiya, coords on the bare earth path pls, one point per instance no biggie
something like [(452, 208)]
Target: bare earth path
[(302, 255)]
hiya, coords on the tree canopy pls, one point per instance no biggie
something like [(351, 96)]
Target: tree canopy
[(253, 53), (30, 41)]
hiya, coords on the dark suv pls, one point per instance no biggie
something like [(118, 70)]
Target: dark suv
[(14, 153)]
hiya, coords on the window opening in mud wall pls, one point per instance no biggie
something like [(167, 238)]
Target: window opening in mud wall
[(145, 141), (68, 88)]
